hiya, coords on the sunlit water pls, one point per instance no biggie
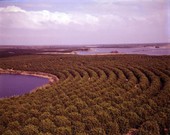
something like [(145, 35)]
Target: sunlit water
[(11, 85)]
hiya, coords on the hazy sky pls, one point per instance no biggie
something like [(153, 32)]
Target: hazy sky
[(43, 22)]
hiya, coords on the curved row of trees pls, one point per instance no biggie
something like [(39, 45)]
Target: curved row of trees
[(96, 95)]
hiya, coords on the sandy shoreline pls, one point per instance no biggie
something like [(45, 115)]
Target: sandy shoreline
[(50, 77)]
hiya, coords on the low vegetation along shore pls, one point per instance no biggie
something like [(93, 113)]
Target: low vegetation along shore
[(95, 95)]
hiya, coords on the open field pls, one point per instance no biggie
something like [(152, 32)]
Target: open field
[(95, 95)]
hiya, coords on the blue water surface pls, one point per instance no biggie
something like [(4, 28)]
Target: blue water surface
[(15, 84), (134, 50)]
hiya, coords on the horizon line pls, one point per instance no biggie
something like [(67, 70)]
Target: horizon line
[(85, 44)]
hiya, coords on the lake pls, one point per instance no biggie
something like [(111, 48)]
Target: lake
[(133, 50), (15, 84)]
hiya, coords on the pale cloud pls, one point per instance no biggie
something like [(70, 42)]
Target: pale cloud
[(44, 16), (104, 21), (11, 9), (13, 16)]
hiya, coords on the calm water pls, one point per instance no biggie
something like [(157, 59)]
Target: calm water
[(137, 50), (11, 84)]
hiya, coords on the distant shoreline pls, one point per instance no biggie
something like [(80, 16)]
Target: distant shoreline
[(148, 49)]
